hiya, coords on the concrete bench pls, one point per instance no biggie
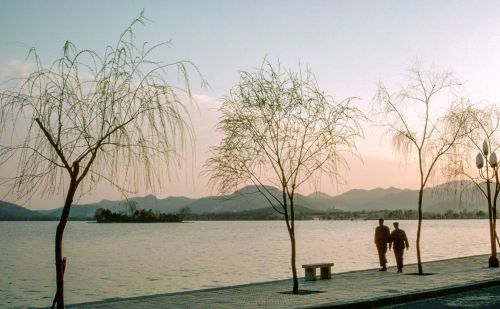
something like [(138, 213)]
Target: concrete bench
[(326, 271)]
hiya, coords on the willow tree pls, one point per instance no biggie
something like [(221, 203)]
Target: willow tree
[(481, 141), (415, 117), (281, 129), (93, 118)]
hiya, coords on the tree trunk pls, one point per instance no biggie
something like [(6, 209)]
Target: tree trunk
[(495, 207), (419, 259), (60, 261), (494, 224), (290, 226), (291, 232), (494, 232), (493, 260), (294, 268)]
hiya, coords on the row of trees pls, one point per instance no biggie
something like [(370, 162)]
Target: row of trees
[(280, 128), (400, 214), (397, 214), (144, 216), (444, 137), (116, 118)]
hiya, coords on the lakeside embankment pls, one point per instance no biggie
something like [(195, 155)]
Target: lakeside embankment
[(363, 288)]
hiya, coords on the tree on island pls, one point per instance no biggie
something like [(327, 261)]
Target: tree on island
[(90, 118), (280, 128), (143, 216), (482, 140), (414, 118)]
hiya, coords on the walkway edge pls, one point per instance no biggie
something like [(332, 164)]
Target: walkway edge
[(407, 297), (353, 289)]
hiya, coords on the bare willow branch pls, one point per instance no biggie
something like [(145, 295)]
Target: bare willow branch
[(82, 106), (90, 118), (281, 129), (413, 118)]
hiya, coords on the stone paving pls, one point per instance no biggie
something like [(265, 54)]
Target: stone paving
[(484, 298), (356, 289)]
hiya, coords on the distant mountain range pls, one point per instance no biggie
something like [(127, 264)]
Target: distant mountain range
[(167, 205), (9, 211), (453, 195), (248, 200), (245, 199)]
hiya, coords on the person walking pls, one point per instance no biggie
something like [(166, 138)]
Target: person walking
[(399, 241), (382, 237)]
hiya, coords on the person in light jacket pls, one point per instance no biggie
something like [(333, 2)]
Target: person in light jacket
[(399, 242)]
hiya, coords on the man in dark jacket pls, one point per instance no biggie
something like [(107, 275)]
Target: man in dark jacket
[(382, 235), (399, 241)]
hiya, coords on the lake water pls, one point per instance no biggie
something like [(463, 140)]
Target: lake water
[(123, 260)]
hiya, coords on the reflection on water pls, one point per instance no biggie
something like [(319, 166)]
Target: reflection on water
[(123, 260)]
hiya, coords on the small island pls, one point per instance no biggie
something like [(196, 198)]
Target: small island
[(138, 216)]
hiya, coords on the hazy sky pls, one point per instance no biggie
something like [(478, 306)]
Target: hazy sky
[(349, 45)]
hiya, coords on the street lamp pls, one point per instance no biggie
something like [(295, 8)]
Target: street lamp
[(483, 165)]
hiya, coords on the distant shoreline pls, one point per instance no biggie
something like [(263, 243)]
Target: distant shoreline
[(137, 216), (90, 220), (261, 214)]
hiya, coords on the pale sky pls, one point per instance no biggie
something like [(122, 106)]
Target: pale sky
[(349, 45)]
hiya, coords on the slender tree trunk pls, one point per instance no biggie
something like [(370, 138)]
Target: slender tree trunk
[(419, 259), (493, 260), (60, 261), (292, 238), (495, 208), (494, 230), (490, 213), (294, 267), (290, 225)]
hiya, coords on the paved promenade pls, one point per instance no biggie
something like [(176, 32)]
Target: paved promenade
[(364, 288)]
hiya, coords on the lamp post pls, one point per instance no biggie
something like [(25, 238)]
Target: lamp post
[(484, 165)]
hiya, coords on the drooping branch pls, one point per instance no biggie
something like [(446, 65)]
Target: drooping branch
[(280, 126), (80, 107)]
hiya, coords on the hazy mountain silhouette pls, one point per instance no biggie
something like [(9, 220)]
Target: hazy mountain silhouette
[(438, 199), (266, 213), (249, 198), (9, 211), (167, 205)]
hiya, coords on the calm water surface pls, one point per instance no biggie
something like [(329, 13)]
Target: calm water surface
[(123, 260)]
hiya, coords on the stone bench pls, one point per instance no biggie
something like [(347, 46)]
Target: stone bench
[(326, 271)]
